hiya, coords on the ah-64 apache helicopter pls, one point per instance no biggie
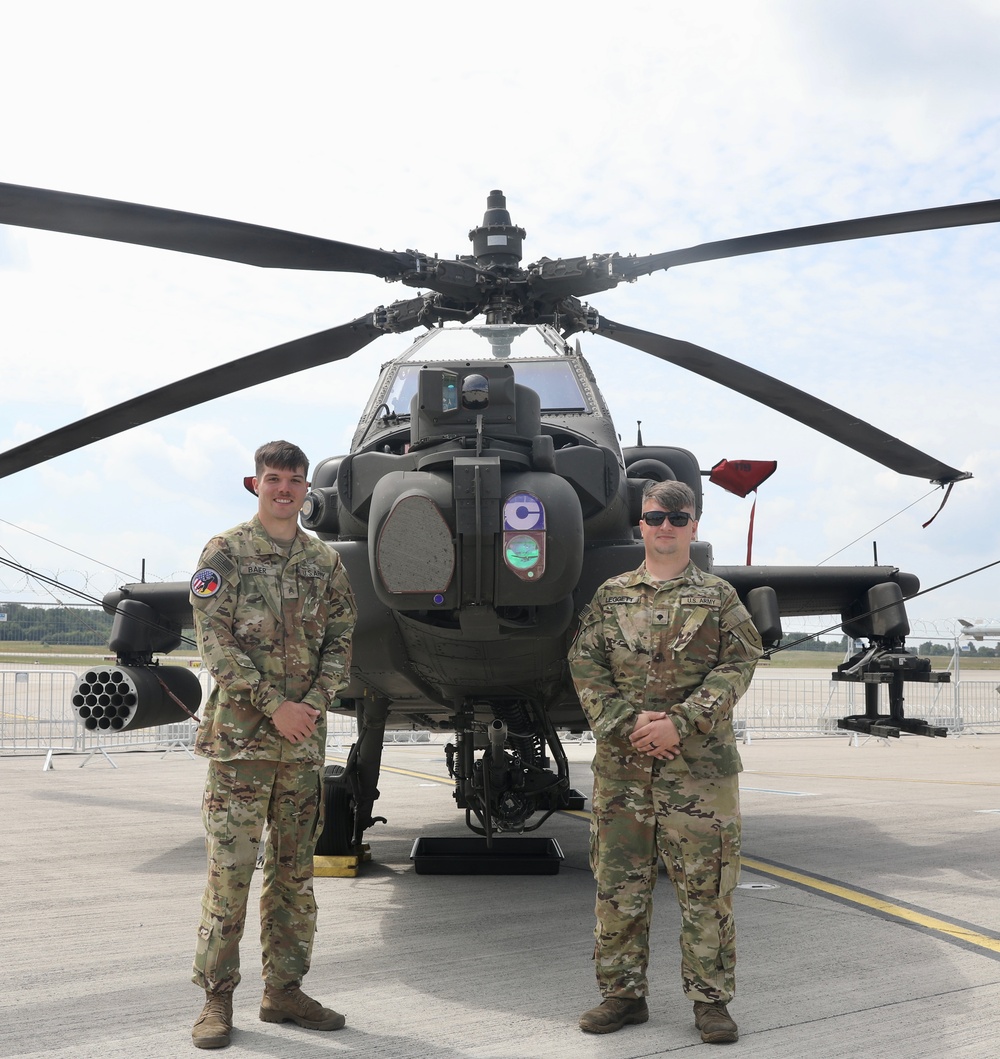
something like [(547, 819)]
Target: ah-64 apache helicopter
[(484, 499)]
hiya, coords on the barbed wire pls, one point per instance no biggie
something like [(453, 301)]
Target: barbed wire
[(43, 587)]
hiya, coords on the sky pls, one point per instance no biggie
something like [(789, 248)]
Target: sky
[(635, 127)]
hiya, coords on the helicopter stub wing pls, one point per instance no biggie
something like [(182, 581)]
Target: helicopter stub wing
[(816, 590)]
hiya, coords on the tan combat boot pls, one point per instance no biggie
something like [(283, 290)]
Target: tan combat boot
[(614, 1013), (215, 1023), (292, 1005), (715, 1023)]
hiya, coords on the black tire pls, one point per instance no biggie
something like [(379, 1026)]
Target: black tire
[(338, 805)]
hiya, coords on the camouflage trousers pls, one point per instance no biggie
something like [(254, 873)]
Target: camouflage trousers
[(240, 797), (694, 825)]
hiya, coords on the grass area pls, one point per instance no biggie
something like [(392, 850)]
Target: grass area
[(831, 659), (806, 660), (37, 654), (67, 654)]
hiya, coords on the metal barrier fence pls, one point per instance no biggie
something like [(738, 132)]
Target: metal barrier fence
[(795, 706), (36, 717)]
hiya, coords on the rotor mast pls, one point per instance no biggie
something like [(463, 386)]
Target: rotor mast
[(496, 245)]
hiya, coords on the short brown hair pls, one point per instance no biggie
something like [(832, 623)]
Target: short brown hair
[(282, 455), (670, 495)]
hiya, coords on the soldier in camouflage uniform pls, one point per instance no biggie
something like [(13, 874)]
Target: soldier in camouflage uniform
[(274, 615), (661, 658)]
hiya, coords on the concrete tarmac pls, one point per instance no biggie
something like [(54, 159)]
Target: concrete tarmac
[(869, 922)]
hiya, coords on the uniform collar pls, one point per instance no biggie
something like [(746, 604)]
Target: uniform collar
[(262, 539), (641, 576)]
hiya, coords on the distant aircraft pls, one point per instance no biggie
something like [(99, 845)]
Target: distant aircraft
[(979, 632)]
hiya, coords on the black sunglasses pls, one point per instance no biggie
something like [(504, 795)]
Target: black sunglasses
[(675, 518)]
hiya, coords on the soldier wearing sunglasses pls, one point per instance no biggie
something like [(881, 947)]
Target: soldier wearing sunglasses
[(661, 658)]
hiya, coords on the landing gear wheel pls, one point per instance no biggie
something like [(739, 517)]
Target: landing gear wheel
[(337, 835)]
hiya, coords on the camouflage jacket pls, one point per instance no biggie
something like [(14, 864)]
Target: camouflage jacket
[(267, 636), (686, 646)]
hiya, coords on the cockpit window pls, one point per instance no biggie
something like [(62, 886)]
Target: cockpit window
[(486, 342), (553, 380), (538, 355), (555, 383), (403, 388)]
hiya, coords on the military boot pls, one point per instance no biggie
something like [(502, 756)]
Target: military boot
[(290, 1004), (613, 1013), (215, 1023), (715, 1023)]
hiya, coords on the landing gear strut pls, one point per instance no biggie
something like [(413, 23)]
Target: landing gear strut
[(350, 791)]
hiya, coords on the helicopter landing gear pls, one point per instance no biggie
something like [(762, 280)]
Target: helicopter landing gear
[(337, 836), (350, 791)]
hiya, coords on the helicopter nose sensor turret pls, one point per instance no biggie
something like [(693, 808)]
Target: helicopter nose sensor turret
[(475, 393)]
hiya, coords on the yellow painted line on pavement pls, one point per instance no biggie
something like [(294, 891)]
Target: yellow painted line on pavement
[(962, 933), (402, 772), (872, 779), (966, 934), (418, 775)]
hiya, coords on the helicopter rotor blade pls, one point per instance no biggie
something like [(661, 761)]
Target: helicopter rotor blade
[(797, 404), (324, 347), (961, 215), (192, 233)]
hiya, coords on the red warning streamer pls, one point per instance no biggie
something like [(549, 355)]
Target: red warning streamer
[(742, 477)]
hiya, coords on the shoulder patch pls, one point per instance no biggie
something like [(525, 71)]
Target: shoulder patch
[(206, 583), (222, 563)]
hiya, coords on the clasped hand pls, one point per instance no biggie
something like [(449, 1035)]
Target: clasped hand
[(655, 733), (295, 720)]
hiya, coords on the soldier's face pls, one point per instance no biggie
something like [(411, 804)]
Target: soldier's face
[(666, 540), (280, 493)]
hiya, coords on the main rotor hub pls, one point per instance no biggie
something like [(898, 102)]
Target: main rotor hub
[(497, 243)]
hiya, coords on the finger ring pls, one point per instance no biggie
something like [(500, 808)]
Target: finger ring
[(652, 746)]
